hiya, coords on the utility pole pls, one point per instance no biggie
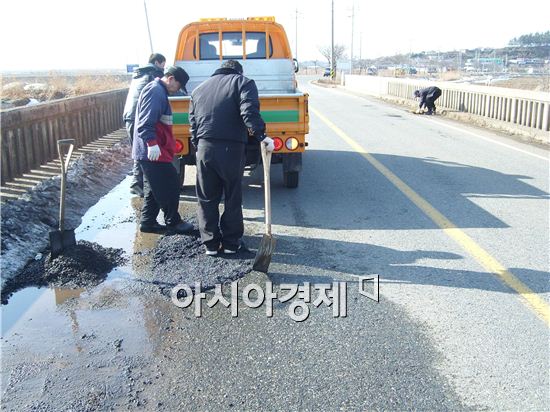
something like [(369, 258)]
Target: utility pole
[(332, 74), (360, 46), (148, 29), (296, 38), (351, 48), (360, 52)]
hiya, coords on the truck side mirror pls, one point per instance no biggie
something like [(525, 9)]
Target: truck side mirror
[(296, 67)]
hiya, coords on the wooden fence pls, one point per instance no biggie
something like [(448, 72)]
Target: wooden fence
[(30, 134)]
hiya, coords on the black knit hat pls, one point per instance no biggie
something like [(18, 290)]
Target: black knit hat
[(232, 64), (179, 74)]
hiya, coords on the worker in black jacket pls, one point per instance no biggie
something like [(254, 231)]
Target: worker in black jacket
[(224, 110), (428, 96)]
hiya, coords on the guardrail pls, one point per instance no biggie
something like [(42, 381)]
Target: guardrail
[(29, 134), (521, 108)]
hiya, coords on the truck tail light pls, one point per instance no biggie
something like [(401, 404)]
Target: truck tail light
[(179, 146), (278, 143), (292, 143)]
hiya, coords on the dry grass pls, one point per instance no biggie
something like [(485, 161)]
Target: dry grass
[(539, 84), (57, 87), (450, 76), (89, 84)]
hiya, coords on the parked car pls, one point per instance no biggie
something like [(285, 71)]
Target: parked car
[(372, 71)]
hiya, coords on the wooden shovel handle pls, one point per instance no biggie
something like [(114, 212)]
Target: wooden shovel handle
[(65, 159), (266, 160)]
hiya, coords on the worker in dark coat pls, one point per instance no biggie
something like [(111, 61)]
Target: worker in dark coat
[(428, 96), (141, 76), (224, 111), (154, 147)]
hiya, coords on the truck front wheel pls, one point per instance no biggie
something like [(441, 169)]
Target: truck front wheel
[(290, 179)]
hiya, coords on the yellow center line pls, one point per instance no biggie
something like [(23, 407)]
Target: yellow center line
[(529, 298)]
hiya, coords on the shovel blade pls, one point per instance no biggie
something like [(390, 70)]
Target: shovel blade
[(61, 240), (56, 243), (69, 238), (265, 251)]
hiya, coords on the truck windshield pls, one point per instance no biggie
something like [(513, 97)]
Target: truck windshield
[(232, 46)]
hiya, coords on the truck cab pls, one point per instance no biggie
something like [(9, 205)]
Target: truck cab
[(262, 48)]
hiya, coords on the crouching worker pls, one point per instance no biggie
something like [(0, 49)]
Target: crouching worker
[(428, 96), (154, 147)]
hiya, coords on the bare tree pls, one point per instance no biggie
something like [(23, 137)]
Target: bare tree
[(339, 52)]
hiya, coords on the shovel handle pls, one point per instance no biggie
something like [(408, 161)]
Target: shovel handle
[(266, 160), (65, 159)]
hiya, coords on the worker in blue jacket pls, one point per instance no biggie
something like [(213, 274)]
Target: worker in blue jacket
[(153, 148), (141, 76)]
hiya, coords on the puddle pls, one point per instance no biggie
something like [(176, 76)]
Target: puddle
[(18, 306), (110, 223), (30, 303)]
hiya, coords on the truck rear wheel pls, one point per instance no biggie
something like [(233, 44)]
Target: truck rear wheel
[(290, 179)]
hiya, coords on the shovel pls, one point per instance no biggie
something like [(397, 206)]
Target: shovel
[(267, 246), (62, 238)]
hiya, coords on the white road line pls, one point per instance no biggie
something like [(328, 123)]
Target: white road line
[(490, 140)]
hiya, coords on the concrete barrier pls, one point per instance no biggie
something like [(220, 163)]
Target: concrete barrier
[(30, 134), (522, 110)]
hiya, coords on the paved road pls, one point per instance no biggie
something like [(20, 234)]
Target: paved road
[(453, 219)]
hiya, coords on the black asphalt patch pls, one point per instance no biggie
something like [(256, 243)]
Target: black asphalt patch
[(82, 266), (181, 259)]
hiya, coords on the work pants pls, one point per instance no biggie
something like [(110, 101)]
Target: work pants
[(137, 174), (430, 100), (220, 167), (160, 192)]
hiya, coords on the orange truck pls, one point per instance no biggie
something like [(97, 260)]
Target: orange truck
[(262, 48)]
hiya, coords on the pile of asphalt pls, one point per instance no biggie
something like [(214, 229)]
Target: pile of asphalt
[(180, 259), (84, 265), (26, 222)]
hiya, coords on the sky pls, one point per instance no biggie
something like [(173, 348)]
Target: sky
[(108, 34)]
